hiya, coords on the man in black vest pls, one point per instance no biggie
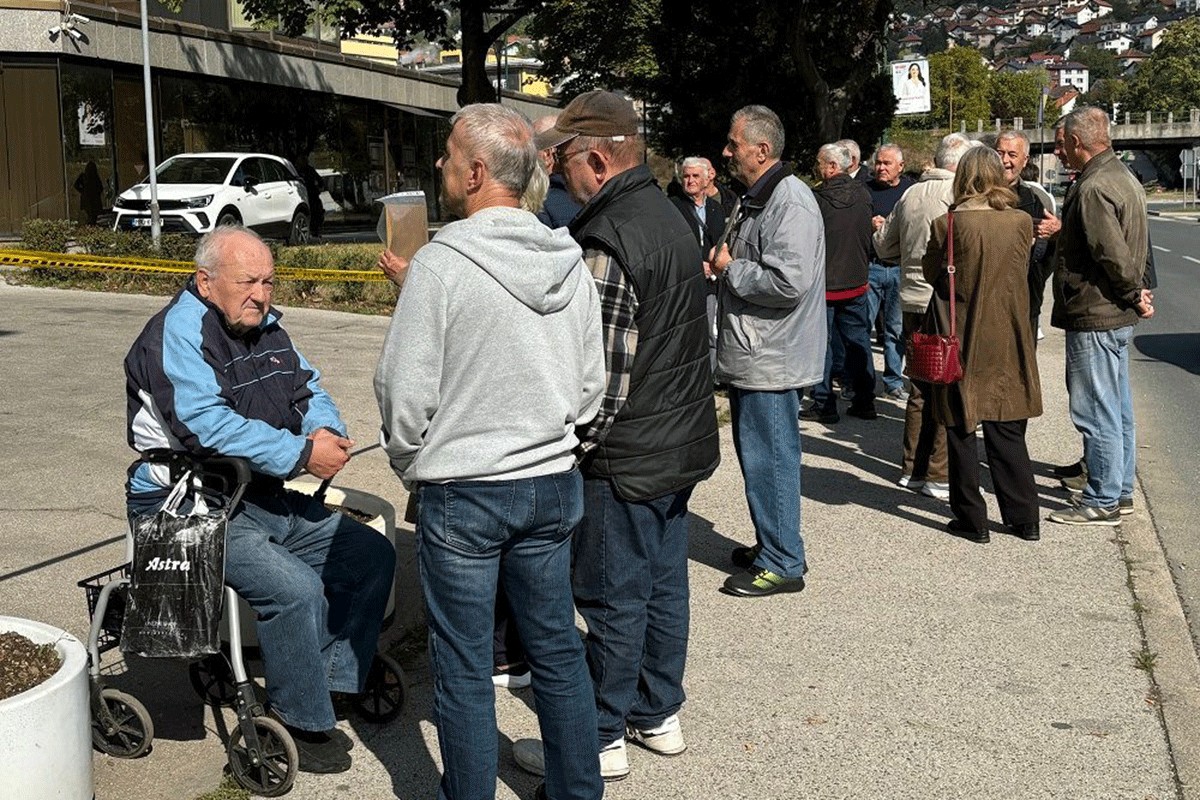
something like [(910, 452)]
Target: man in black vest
[(654, 439)]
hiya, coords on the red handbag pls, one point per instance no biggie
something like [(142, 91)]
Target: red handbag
[(931, 357)]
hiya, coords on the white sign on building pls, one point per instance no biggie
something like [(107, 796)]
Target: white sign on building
[(910, 84)]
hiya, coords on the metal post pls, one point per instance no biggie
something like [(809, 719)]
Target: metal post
[(155, 220)]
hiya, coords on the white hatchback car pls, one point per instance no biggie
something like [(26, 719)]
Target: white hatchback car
[(199, 191)]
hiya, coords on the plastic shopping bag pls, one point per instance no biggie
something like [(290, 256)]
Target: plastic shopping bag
[(177, 578)]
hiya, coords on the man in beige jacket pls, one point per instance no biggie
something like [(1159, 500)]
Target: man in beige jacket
[(903, 236)]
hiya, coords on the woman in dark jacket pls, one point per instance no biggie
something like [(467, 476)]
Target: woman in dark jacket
[(1000, 388)]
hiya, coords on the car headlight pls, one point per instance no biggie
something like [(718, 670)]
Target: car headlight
[(196, 202), (120, 202)]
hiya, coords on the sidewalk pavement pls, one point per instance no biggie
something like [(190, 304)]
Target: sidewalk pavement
[(915, 664)]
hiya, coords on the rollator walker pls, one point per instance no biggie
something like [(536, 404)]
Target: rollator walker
[(262, 755)]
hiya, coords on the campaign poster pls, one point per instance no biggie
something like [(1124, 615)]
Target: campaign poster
[(910, 84), (91, 125)]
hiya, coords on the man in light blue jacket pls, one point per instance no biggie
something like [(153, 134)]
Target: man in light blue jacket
[(771, 344)]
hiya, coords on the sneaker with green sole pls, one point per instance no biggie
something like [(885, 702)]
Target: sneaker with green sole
[(760, 583)]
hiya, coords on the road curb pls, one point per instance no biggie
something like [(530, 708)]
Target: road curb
[(1176, 671)]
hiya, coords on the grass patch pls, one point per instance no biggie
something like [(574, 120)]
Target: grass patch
[(1144, 659), (228, 790)]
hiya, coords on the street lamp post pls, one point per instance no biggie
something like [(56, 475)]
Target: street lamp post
[(155, 220)]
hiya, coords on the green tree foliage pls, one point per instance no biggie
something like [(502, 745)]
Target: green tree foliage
[(959, 86), (1107, 94), (1102, 64), (817, 64), (482, 23), (1170, 79), (934, 39), (1016, 94)]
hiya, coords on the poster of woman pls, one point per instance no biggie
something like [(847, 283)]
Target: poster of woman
[(910, 84)]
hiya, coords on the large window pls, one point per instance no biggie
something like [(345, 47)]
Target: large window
[(88, 143)]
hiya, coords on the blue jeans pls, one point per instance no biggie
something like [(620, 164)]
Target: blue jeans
[(469, 532), (319, 582), (631, 588), (847, 322), (1102, 410), (766, 437), (885, 294)]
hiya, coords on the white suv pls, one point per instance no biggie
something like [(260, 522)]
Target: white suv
[(199, 191)]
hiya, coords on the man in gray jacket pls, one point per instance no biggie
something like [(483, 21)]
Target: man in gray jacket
[(1100, 263), (493, 357), (771, 344), (903, 237)]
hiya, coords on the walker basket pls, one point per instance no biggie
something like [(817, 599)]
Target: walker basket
[(114, 614)]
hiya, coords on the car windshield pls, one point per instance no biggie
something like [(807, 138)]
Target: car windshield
[(195, 170)]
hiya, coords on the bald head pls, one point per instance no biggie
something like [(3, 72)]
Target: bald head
[(541, 125)]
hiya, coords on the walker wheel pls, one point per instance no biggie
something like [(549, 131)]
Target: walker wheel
[(383, 698), (212, 679), (123, 729), (268, 769)]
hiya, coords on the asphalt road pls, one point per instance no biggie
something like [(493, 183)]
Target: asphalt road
[(1165, 372)]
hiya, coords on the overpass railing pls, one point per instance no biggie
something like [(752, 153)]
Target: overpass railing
[(1148, 126)]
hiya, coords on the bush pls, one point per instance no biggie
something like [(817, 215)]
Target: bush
[(177, 247), (47, 235), (97, 241)]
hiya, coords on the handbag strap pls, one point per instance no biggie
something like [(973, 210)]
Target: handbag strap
[(950, 269)]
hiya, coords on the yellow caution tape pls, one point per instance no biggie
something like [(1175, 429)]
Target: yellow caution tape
[(28, 259)]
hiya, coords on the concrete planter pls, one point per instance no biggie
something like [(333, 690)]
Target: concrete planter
[(45, 732), (383, 520)]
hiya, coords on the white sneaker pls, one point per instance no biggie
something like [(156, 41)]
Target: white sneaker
[(938, 491), (614, 760), (666, 739), (909, 482), (516, 676)]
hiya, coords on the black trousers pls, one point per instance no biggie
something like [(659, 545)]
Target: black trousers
[(1012, 474)]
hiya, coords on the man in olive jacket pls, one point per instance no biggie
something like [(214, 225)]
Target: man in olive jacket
[(1098, 298), (771, 344)]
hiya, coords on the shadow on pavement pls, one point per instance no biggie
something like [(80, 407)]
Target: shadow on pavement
[(1178, 349)]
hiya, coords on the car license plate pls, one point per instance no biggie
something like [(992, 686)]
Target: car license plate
[(141, 222)]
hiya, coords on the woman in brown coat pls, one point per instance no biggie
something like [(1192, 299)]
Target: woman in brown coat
[(1000, 387)]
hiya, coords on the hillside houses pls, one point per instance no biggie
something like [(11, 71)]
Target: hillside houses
[(1040, 34)]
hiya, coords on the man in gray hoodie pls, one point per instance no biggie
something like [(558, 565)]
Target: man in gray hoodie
[(494, 356)]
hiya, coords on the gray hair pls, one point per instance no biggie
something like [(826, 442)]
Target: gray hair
[(893, 147), (835, 153), (211, 247), (502, 139), (761, 125), (1090, 125), (1014, 135), (951, 149), (695, 161), (852, 147)]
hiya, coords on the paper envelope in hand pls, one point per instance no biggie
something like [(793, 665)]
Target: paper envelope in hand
[(404, 223)]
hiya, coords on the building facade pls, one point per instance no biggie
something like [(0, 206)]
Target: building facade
[(71, 95)]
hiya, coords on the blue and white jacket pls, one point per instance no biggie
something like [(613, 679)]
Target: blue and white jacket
[(192, 385)]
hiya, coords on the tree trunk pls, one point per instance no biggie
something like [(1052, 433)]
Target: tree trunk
[(476, 87)]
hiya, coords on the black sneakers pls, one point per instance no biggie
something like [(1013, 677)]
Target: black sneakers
[(321, 752)]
